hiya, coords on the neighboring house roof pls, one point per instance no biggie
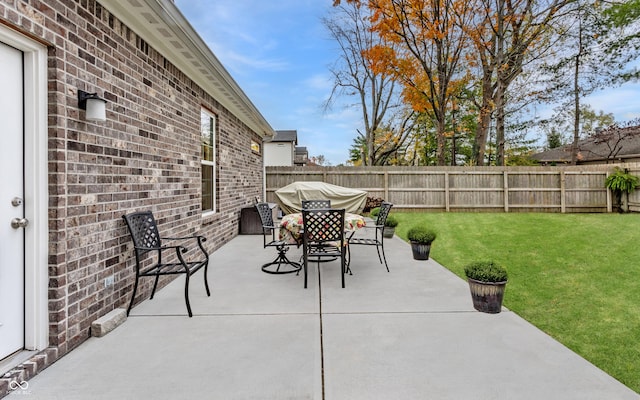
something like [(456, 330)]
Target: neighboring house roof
[(610, 144), (301, 155), (286, 136), (162, 26)]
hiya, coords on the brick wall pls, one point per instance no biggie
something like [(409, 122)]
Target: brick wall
[(145, 156)]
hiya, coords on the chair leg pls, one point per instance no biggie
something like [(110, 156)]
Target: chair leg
[(305, 262), (133, 296), (378, 250), (186, 295), (383, 256), (206, 281), (280, 260), (155, 285), (342, 266)]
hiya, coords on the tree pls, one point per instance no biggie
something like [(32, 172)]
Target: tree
[(319, 160), (505, 33), (562, 123), (427, 47), (554, 139), (613, 139), (354, 76), (594, 48)]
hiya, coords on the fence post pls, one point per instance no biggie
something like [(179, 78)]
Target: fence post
[(609, 199), (563, 193), (505, 186)]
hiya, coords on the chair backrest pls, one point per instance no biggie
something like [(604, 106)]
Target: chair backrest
[(268, 227), (144, 230), (315, 204), (385, 208), (266, 216), (323, 225)]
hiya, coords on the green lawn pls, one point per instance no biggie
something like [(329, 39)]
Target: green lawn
[(575, 276)]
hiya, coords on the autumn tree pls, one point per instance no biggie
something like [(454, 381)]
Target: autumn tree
[(384, 116), (425, 58)]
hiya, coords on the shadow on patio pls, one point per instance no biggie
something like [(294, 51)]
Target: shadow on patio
[(411, 333)]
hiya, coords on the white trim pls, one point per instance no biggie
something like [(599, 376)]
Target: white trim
[(161, 24), (213, 120), (36, 195)]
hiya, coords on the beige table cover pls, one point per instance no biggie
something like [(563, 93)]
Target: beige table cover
[(290, 197)]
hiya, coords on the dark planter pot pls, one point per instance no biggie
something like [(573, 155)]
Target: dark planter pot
[(388, 231), (487, 296), (420, 250)]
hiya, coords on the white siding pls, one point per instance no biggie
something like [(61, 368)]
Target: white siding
[(278, 154)]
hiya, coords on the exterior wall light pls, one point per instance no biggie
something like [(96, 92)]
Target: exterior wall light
[(94, 105)]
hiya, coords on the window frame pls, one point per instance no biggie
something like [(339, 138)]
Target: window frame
[(213, 132)]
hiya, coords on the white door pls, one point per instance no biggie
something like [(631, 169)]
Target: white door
[(12, 222)]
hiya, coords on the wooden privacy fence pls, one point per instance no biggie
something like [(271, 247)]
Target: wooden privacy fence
[(504, 189)]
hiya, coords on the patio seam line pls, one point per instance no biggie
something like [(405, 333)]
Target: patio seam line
[(222, 315), (313, 313), (321, 337), (407, 312)]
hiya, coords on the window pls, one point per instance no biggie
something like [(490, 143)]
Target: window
[(255, 146), (208, 162)]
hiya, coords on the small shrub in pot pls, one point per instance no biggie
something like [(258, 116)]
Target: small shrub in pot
[(390, 226), (486, 271), (487, 281), (421, 238)]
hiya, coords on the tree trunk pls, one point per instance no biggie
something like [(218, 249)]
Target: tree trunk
[(501, 64), (440, 142), (500, 125), (576, 99), (482, 130)]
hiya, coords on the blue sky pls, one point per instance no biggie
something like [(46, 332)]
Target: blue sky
[(279, 53)]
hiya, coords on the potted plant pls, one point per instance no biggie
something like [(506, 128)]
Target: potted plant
[(619, 182), (487, 282), (374, 212), (390, 226), (421, 238)]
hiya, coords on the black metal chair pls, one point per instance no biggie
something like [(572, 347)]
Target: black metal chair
[(378, 240), (146, 239), (323, 236), (269, 240), (315, 204)]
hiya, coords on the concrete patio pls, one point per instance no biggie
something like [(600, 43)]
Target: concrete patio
[(411, 333)]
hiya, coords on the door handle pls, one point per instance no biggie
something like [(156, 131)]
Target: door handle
[(19, 223)]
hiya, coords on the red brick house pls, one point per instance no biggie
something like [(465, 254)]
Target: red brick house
[(180, 138)]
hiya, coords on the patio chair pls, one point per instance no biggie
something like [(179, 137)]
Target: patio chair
[(315, 204), (269, 240), (146, 239), (378, 239), (323, 237)]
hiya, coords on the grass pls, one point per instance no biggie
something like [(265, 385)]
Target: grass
[(575, 276)]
